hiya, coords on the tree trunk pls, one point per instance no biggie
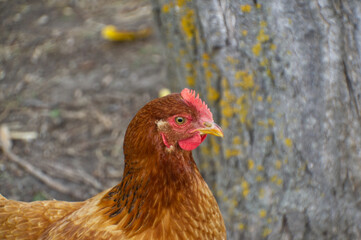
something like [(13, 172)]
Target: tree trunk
[(283, 79)]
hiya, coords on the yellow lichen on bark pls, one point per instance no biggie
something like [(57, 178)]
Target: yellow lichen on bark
[(288, 142), (266, 231), (166, 8), (246, 8), (262, 213), (256, 49), (250, 164), (215, 146), (245, 188), (213, 94), (262, 37), (278, 164), (236, 140), (232, 153), (241, 226), (187, 24), (191, 81), (261, 193), (247, 82)]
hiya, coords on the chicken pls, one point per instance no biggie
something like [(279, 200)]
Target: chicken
[(162, 194)]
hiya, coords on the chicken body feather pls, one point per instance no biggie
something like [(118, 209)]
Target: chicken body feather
[(162, 194), (22, 220)]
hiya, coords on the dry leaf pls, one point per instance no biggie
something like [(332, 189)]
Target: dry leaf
[(5, 139)]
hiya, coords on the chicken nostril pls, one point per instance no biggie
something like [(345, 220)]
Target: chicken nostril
[(207, 124)]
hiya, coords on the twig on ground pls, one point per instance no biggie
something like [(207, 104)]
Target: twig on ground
[(26, 136), (102, 118), (38, 174), (73, 175), (84, 145), (101, 162)]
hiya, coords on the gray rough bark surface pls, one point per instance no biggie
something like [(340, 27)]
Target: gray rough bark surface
[(284, 79)]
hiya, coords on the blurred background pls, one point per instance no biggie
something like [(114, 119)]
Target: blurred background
[(281, 77), (67, 94)]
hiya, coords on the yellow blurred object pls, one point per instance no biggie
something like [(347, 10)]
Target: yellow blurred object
[(111, 33), (164, 92)]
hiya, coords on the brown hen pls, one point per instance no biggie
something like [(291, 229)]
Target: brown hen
[(162, 194)]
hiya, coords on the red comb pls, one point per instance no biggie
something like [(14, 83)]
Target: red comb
[(191, 98)]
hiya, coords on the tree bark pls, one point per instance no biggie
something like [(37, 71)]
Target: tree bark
[(283, 79)]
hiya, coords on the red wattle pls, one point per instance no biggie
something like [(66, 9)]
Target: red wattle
[(191, 143), (165, 141)]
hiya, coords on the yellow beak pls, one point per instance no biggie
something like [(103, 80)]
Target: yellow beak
[(211, 128)]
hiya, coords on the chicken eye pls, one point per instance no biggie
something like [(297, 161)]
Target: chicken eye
[(180, 120)]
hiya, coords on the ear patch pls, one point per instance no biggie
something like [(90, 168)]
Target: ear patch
[(191, 98), (162, 125)]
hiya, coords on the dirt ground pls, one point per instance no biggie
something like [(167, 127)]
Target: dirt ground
[(72, 90)]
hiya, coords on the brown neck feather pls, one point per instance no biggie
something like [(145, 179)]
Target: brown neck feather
[(153, 179)]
